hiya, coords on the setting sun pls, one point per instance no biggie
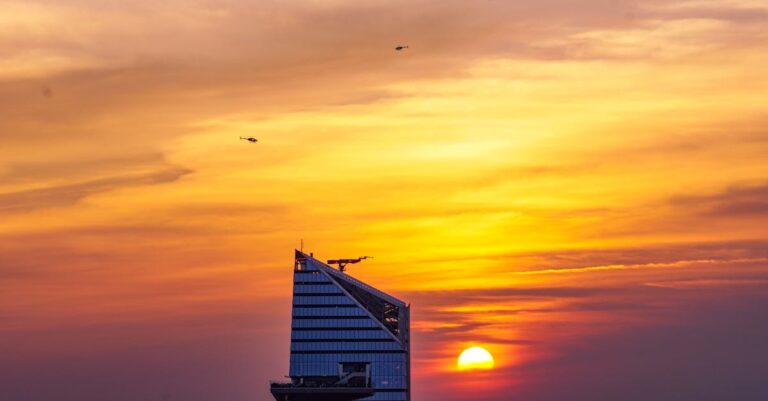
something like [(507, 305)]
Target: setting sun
[(475, 358)]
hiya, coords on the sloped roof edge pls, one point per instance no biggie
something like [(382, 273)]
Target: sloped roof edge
[(342, 276)]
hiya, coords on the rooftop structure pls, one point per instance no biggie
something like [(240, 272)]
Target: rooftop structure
[(349, 341)]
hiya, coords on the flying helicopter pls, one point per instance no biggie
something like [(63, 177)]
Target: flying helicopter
[(249, 139), (401, 47)]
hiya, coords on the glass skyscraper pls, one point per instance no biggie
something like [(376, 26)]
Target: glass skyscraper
[(349, 340)]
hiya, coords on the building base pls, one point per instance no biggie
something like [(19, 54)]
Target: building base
[(290, 392)]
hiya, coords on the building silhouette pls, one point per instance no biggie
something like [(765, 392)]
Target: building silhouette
[(349, 341)]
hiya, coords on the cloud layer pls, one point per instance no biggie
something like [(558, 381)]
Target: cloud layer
[(579, 187)]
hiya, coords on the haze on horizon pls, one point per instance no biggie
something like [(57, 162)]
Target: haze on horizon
[(579, 187)]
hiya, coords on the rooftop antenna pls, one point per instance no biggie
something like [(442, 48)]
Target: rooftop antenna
[(344, 262), (302, 245)]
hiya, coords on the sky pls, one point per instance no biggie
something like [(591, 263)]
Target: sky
[(581, 187)]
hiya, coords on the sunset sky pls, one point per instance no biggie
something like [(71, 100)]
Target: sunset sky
[(580, 187)]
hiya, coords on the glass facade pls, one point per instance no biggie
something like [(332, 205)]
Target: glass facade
[(340, 324)]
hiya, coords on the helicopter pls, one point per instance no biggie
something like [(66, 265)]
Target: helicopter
[(343, 262), (401, 47), (249, 139)]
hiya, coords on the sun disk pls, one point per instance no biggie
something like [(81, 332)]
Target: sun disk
[(475, 358)]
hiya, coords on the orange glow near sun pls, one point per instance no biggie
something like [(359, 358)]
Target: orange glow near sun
[(475, 358)]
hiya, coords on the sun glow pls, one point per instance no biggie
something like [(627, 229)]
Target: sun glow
[(475, 358)]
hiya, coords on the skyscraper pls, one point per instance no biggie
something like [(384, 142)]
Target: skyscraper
[(349, 341)]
